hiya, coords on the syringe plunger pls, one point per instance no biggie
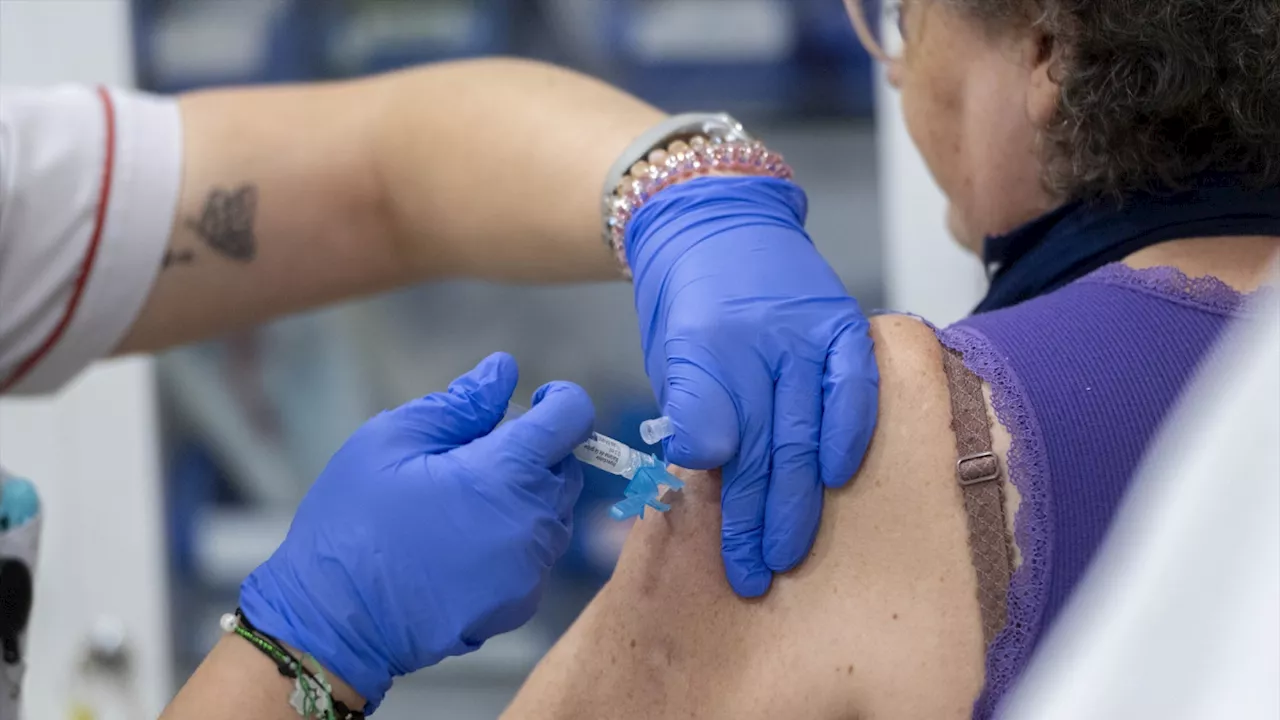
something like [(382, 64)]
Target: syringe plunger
[(646, 475)]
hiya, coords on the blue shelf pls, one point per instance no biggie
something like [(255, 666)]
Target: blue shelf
[(185, 44), (791, 58), (359, 37), (782, 58)]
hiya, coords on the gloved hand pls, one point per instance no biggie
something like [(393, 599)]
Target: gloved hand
[(759, 356), (428, 532)]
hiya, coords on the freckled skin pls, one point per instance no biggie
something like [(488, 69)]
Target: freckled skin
[(964, 92), (893, 541), (889, 589)]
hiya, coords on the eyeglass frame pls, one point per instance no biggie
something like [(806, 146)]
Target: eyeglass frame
[(862, 27)]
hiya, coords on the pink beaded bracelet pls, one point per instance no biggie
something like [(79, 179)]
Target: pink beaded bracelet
[(683, 161)]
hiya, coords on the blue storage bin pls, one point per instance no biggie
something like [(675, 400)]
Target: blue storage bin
[(826, 26), (781, 58), (185, 44), (839, 73), (359, 37), (706, 54)]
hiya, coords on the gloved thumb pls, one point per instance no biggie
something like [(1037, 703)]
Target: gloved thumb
[(704, 421), (561, 419), (472, 407)]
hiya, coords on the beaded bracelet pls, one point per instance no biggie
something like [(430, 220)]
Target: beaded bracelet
[(681, 161), (312, 695)]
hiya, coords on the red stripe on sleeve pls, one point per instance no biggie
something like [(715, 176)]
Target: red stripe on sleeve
[(90, 254)]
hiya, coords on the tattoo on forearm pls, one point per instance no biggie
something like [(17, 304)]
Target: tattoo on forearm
[(178, 257), (226, 223)]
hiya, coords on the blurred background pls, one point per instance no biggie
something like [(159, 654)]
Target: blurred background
[(232, 432), (249, 421), (164, 481)]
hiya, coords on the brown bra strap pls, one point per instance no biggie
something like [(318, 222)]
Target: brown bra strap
[(981, 483)]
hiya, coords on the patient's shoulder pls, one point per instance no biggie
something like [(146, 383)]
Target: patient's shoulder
[(913, 386), (893, 547), (881, 619), (906, 341)]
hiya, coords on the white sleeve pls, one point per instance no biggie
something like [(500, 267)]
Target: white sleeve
[(89, 182)]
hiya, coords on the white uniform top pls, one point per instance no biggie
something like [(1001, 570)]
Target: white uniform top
[(89, 182)]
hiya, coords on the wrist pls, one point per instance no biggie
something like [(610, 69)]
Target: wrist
[(729, 154), (338, 688), (315, 693), (273, 608), (698, 220)]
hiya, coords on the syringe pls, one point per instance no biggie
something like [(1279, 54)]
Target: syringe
[(656, 430), (602, 451), (618, 458)]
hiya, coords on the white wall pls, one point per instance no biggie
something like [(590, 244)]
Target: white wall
[(926, 272), (91, 450)]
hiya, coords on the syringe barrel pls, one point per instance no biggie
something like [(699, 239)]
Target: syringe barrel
[(601, 451), (604, 452)]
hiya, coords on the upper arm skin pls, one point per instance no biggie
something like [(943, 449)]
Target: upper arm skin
[(315, 230), (880, 621), (486, 168)]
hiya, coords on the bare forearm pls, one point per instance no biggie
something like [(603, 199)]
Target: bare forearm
[(296, 196), (237, 682)]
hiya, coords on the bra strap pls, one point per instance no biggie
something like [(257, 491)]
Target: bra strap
[(981, 482)]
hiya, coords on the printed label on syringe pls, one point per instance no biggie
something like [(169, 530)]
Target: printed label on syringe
[(604, 452)]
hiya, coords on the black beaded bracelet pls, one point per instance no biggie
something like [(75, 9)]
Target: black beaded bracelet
[(312, 695)]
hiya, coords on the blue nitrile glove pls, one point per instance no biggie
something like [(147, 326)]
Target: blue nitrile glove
[(429, 531), (759, 356)]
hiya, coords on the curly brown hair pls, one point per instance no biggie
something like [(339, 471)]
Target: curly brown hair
[(1156, 92)]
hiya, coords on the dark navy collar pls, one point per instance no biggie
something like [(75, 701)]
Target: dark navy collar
[(1078, 238)]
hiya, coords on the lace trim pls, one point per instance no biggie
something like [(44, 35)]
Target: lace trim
[(1011, 650), (1028, 471), (1205, 292)]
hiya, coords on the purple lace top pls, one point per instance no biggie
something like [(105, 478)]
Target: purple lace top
[(1081, 378)]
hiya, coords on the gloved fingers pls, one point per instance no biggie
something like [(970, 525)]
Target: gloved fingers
[(742, 501), (793, 504), (703, 418), (561, 419), (472, 407), (850, 401)]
